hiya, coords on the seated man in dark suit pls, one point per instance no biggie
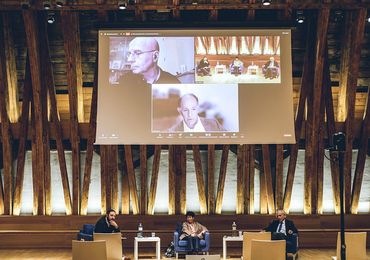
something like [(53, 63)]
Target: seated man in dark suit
[(107, 223), (204, 68), (271, 69), (282, 228)]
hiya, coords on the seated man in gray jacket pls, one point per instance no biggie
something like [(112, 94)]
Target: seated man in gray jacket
[(188, 108)]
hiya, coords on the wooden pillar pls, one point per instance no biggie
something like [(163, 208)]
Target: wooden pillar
[(39, 109)]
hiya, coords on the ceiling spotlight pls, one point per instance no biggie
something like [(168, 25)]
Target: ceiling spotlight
[(47, 5), (60, 3), (122, 5), (368, 19), (266, 2), (300, 17), (51, 18)]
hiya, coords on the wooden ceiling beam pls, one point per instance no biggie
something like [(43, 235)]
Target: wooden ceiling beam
[(307, 81), (313, 116), (22, 141), (74, 78), (11, 6), (154, 179), (211, 178), (102, 17), (331, 129), (131, 179), (356, 37), (5, 129), (39, 111), (200, 180), (361, 158), (11, 70), (251, 14)]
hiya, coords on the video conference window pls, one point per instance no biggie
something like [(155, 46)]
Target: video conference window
[(155, 60), (238, 59), (195, 108), (182, 86)]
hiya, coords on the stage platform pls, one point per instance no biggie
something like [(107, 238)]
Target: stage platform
[(66, 254)]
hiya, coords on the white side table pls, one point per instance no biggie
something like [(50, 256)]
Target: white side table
[(227, 239), (157, 241)]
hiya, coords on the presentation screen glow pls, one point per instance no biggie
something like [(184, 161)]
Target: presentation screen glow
[(227, 86)]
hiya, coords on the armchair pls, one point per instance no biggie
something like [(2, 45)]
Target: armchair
[(86, 233), (182, 245)]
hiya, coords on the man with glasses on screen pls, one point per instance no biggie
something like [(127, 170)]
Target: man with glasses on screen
[(188, 108), (143, 56)]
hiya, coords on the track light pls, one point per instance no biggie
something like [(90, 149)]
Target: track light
[(300, 17), (122, 5), (266, 2), (47, 5), (51, 18), (60, 3)]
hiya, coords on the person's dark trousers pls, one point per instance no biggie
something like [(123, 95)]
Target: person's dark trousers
[(281, 236), (193, 243)]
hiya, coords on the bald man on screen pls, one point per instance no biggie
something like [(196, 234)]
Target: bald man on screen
[(188, 109), (143, 56)]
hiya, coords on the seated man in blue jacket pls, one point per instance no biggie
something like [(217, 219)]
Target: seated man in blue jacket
[(282, 228), (107, 223)]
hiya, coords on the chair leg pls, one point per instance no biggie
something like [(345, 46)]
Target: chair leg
[(177, 255)]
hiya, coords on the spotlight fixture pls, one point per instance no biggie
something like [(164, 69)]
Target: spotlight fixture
[(266, 2), (194, 2), (122, 5), (60, 3), (51, 18), (47, 5), (368, 19), (300, 17)]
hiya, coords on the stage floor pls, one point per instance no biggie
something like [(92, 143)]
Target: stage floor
[(66, 254)]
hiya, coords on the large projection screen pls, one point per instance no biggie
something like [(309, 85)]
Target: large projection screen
[(195, 86)]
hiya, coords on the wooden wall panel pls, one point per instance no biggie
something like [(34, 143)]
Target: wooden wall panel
[(57, 232)]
